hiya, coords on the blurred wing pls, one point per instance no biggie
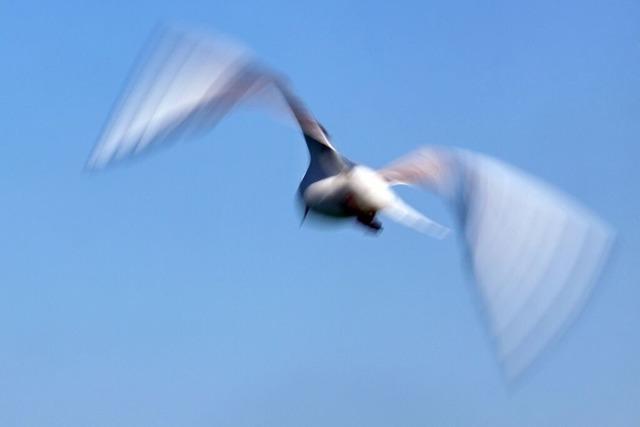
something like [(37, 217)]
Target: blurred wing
[(183, 83), (426, 166), (186, 83), (534, 253), (312, 130)]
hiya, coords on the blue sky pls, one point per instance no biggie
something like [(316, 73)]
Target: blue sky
[(179, 289)]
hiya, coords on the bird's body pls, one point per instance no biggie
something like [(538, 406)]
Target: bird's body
[(323, 187), (328, 196), (356, 192), (534, 253), (336, 187)]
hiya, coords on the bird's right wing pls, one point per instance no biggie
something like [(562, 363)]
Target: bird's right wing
[(534, 252), (185, 82)]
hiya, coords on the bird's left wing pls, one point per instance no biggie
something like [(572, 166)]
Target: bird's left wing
[(186, 81)]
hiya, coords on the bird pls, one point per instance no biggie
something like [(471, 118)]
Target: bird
[(534, 252)]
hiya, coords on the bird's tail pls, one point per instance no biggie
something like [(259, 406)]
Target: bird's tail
[(402, 213)]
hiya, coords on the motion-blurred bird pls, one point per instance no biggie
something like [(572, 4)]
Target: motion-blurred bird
[(534, 253)]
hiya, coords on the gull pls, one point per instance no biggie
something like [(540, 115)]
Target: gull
[(534, 252)]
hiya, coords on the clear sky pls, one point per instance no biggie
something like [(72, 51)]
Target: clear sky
[(179, 290)]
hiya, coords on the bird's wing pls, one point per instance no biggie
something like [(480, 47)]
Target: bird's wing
[(311, 128), (534, 252), (186, 82)]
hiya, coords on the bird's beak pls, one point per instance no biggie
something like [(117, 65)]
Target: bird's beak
[(304, 215)]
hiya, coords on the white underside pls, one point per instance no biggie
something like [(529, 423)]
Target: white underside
[(367, 192)]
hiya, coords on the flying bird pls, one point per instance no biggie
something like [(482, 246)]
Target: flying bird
[(534, 252)]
